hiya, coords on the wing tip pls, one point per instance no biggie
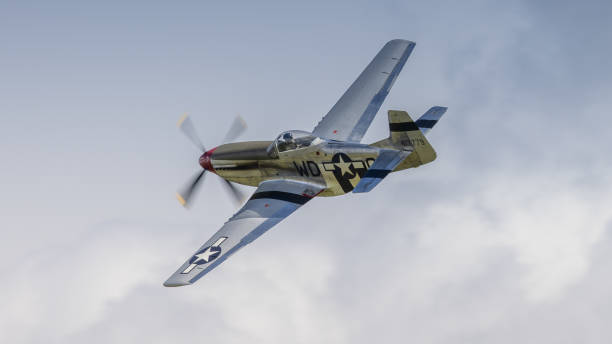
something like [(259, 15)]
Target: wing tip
[(169, 283), (401, 41)]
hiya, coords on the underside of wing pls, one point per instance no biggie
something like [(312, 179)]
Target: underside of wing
[(271, 203), (350, 118)]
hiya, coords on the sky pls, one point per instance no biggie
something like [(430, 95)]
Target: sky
[(505, 238)]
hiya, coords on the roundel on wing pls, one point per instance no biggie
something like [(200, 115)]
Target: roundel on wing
[(206, 255)]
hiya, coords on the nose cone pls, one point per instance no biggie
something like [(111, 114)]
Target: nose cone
[(205, 160)]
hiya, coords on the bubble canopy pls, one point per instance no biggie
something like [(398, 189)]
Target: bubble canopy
[(294, 139)]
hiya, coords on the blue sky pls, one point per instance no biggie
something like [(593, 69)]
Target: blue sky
[(504, 238)]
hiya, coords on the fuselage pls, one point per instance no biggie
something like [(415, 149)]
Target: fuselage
[(337, 166)]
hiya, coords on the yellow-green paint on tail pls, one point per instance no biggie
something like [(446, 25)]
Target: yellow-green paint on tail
[(406, 135)]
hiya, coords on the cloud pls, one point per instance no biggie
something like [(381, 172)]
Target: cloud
[(511, 243), (60, 289)]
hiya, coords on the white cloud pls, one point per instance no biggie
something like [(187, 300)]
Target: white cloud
[(509, 242)]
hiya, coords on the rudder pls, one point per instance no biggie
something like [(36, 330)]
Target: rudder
[(406, 133)]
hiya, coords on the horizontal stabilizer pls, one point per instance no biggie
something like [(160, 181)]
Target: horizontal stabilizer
[(387, 160), (430, 118)]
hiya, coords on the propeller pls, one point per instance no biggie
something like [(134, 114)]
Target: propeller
[(236, 194), (185, 194), (238, 127), (186, 126)]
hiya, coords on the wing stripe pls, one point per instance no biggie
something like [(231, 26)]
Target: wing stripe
[(282, 196), (273, 201)]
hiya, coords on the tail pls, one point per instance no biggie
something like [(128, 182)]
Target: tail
[(430, 118), (405, 133)]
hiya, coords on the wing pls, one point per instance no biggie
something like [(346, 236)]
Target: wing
[(350, 118), (270, 204)]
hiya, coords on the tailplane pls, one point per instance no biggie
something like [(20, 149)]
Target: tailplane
[(430, 118)]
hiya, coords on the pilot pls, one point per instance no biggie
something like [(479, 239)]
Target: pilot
[(288, 142), (288, 137)]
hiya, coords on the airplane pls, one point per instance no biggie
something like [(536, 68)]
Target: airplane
[(299, 165)]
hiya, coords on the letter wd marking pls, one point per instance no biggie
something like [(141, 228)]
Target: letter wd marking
[(302, 169), (305, 166)]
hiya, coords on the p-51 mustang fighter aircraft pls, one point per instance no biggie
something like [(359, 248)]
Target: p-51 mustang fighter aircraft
[(300, 165)]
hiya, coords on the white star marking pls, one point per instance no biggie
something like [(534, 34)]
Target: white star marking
[(344, 166), (205, 256)]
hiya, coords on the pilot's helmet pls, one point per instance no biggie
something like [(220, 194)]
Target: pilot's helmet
[(288, 137)]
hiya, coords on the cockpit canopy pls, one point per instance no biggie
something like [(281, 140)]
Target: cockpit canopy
[(293, 139)]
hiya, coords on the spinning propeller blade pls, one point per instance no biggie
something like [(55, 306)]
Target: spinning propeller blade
[(186, 126), (236, 195), (238, 127), (184, 195)]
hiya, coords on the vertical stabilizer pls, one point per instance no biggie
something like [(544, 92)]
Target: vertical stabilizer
[(406, 133)]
